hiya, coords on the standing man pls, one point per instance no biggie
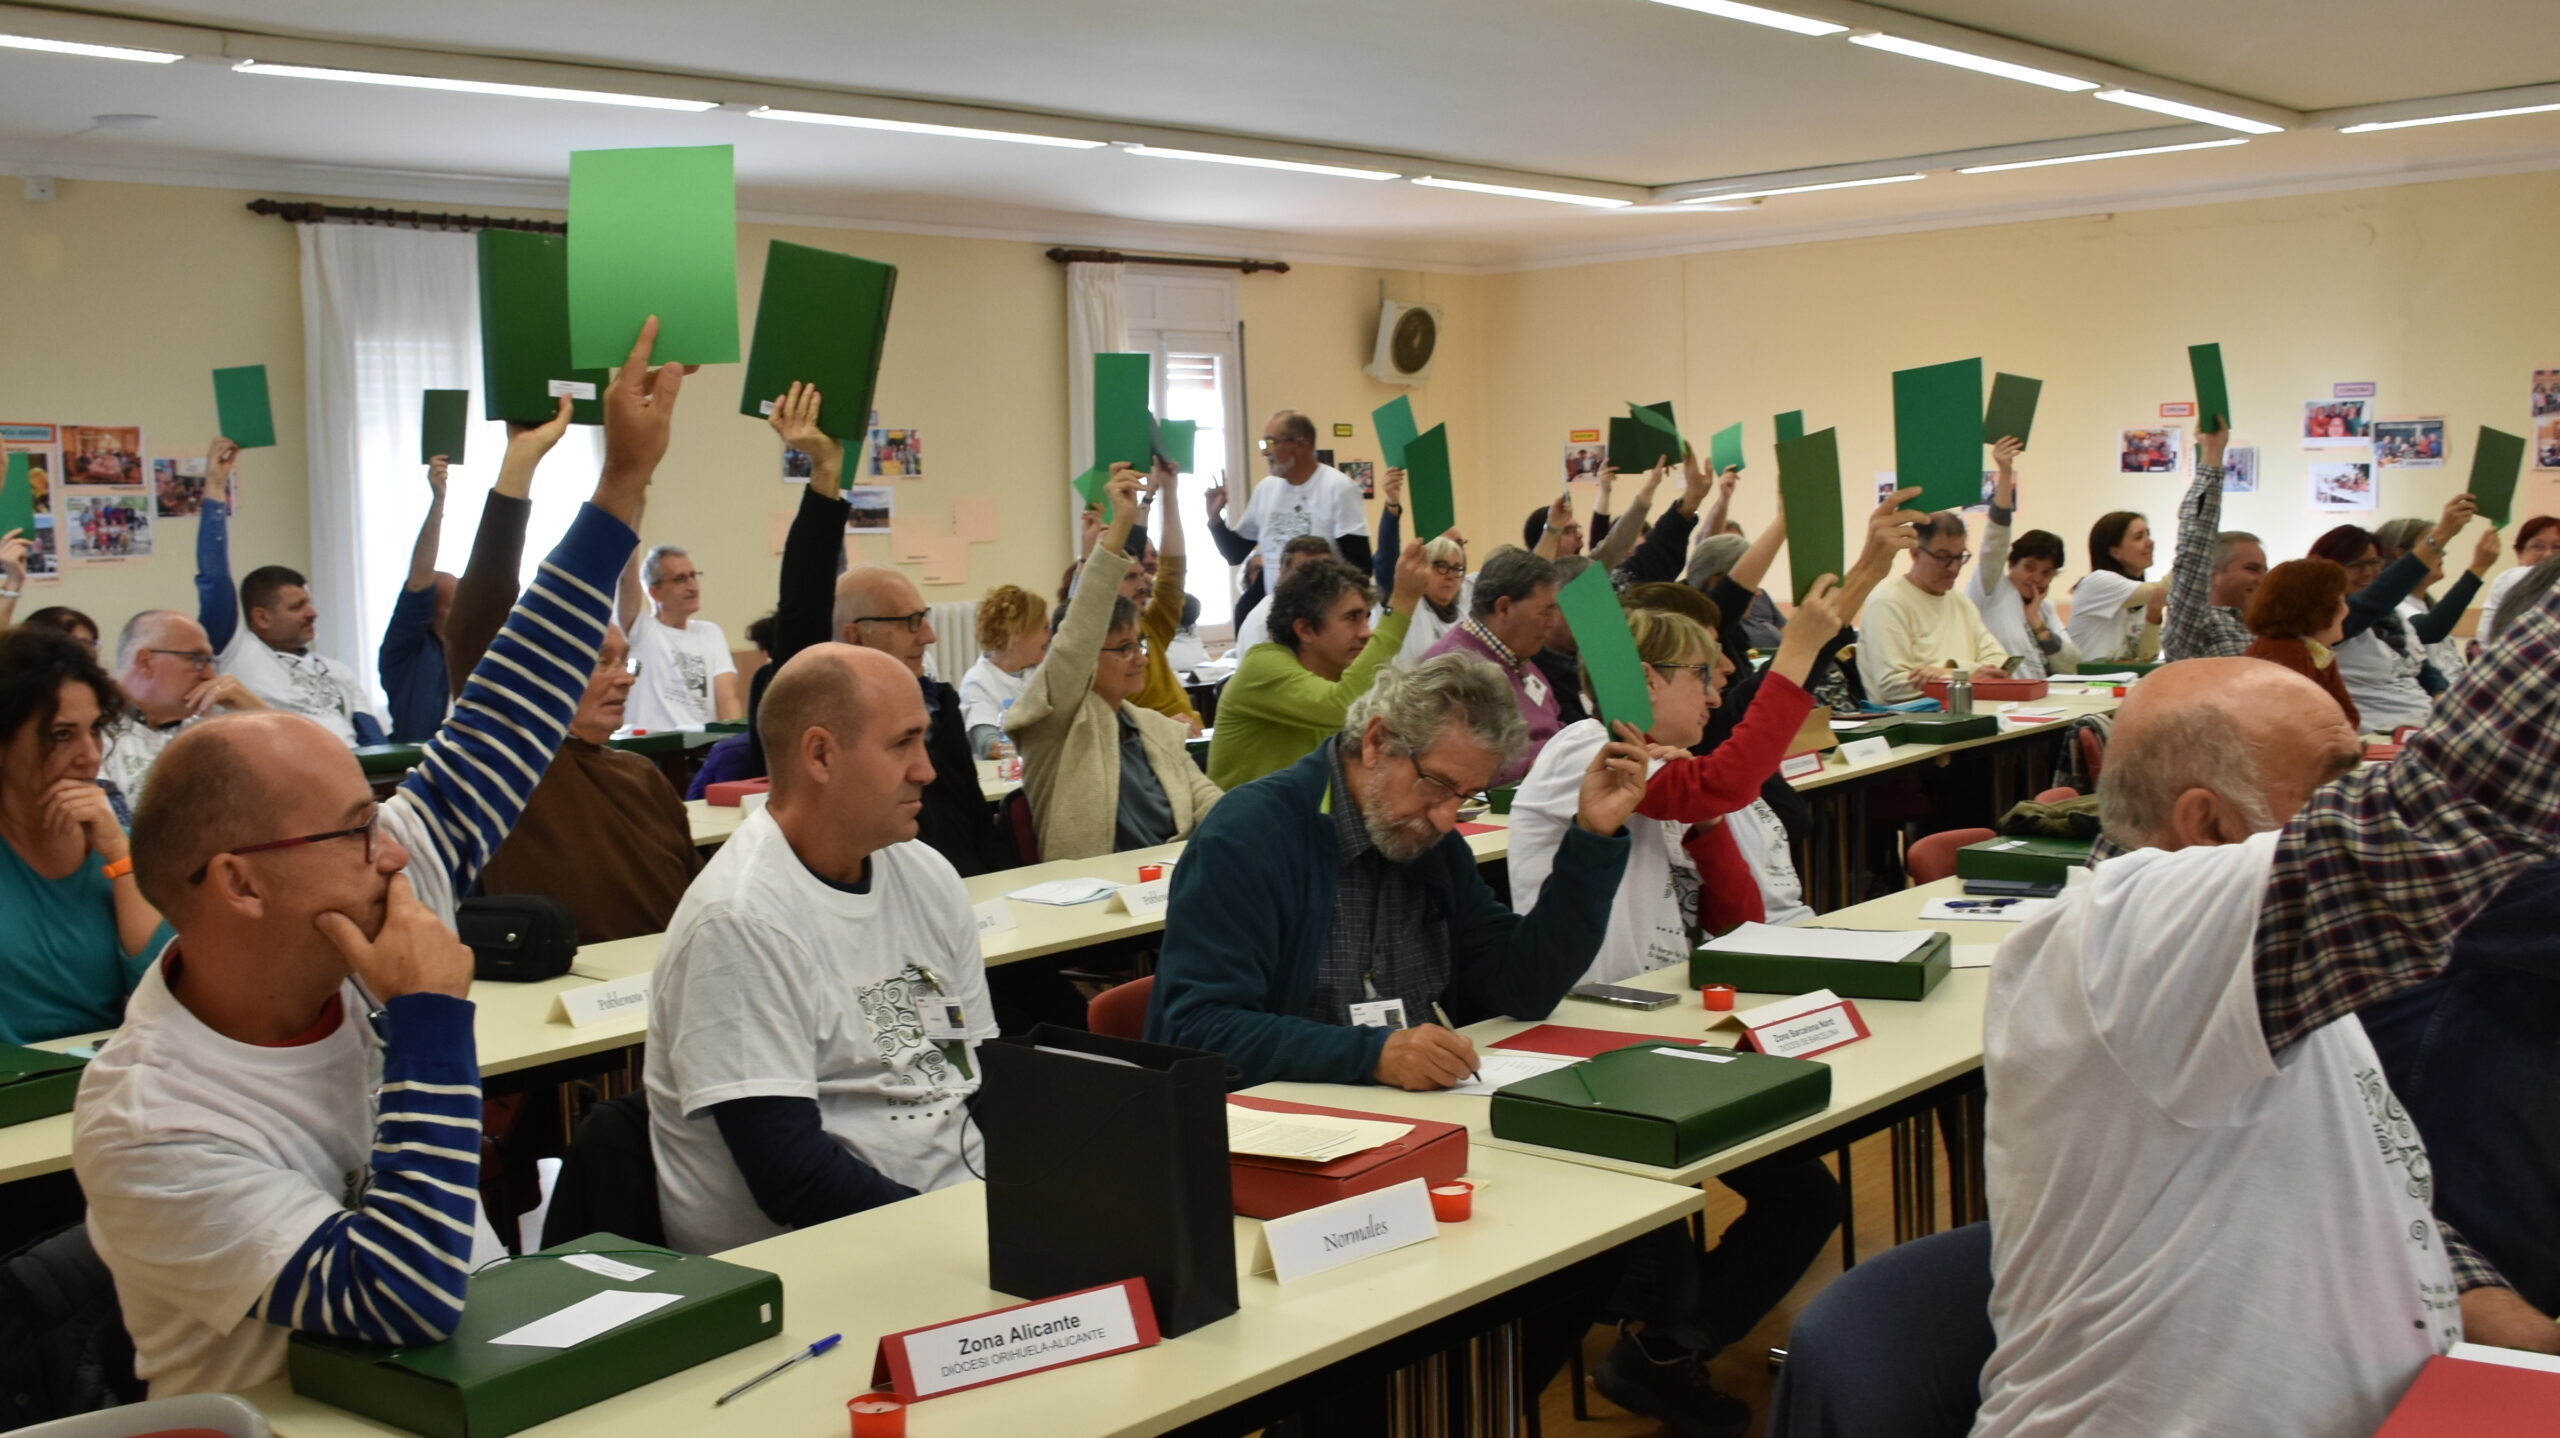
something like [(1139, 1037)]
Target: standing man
[(262, 635), (2209, 585), (166, 668), (687, 677), (1302, 497), (1510, 618), (1920, 624)]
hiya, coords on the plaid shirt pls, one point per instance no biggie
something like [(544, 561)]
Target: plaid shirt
[(2198, 628), (1389, 939)]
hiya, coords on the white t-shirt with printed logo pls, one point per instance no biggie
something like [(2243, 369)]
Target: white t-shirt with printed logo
[(677, 670), (1658, 896), (2191, 1235), (1761, 836), (134, 749), (1327, 506), (776, 984), (310, 684)]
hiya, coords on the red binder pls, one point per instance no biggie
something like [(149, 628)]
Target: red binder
[(1582, 1043), (728, 794), (1278, 1187), (2004, 691), (2460, 1398)]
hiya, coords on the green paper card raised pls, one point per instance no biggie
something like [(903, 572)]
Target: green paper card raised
[(822, 318), (1094, 485), (1937, 433), (1809, 487), (524, 332), (1609, 655), (18, 499), (240, 404), (1790, 425), (1178, 440), (1724, 449), (444, 425), (1428, 480), (1396, 431), (2497, 460), (654, 232), (2013, 408), (2213, 392), (1646, 436), (1123, 429)]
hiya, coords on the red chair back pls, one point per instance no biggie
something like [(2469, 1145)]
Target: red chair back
[(1015, 814), (2058, 795), (1120, 1011), (1933, 858), (2093, 754)]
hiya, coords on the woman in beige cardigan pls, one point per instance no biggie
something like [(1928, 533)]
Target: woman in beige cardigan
[(1104, 774)]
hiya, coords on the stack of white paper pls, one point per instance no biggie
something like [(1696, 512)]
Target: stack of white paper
[(1875, 946), (1312, 1137), (1497, 1067), (1066, 891)]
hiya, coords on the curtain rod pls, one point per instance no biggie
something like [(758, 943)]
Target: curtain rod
[(302, 212), (1114, 257)]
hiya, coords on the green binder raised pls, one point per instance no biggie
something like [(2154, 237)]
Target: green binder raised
[(524, 332), (18, 497), (1643, 438), (822, 318), (1642, 1105), (654, 232), (1809, 483), (1911, 978), (2497, 460), (35, 1084), (444, 425), (2023, 856), (1431, 482), (1123, 426), (388, 758), (2013, 408), (470, 1387), (242, 408)]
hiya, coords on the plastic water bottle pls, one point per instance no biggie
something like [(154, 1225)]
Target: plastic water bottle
[(1008, 759)]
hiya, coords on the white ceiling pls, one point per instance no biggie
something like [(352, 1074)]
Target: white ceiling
[(1618, 92)]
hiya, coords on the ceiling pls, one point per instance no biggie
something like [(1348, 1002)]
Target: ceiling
[(1608, 96)]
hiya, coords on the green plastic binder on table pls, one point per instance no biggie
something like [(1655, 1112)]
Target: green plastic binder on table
[(1642, 1105), (36, 1084), (1910, 978)]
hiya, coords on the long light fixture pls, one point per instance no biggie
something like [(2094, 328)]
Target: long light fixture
[(94, 52), (1801, 189), (1158, 152), (1517, 192), (2100, 155), (1758, 15), (2367, 129), (472, 87), (2185, 111), (917, 127), (1965, 60)]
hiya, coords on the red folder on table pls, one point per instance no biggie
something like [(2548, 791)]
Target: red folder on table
[(731, 793), (1278, 1187), (1579, 1042), (2460, 1398)]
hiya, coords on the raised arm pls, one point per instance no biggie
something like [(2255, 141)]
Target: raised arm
[(489, 580), (1753, 567), (1664, 550), (1624, 529), (1299, 697), (14, 547), (2439, 620), (2382, 597), (1232, 547), (217, 598), (422, 554), (1382, 568), (1059, 685), (1551, 538), (1891, 530), (2184, 632)]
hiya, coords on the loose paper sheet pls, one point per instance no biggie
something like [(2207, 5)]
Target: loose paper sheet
[(1875, 946), (584, 1319), (1312, 1138), (1497, 1067), (975, 520), (946, 560), (2005, 910), (1065, 892)]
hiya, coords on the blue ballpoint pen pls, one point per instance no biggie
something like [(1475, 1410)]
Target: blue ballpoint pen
[(821, 1346)]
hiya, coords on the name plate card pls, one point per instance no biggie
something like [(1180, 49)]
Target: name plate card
[(1867, 751), (1800, 1027), (573, 388), (1011, 1342), (1801, 765), (1362, 1226), (582, 1007), (995, 916), (1149, 897)]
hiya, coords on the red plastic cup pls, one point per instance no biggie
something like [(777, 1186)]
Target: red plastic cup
[(1717, 997), (1149, 873), (1453, 1202), (877, 1415)]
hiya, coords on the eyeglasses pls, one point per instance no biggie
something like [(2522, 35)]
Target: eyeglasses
[(680, 578), (1135, 649), (1703, 670), (1959, 557), (371, 829), (1448, 571), (913, 622), (1270, 442), (195, 658), (1432, 787)]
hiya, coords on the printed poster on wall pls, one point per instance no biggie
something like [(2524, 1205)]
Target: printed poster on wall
[(2342, 486), (106, 526), (40, 443), (2408, 443), (2240, 470), (177, 488), (2336, 424), (2545, 399), (897, 454), (870, 507)]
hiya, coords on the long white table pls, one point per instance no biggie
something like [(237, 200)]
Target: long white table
[(1839, 770), (712, 823)]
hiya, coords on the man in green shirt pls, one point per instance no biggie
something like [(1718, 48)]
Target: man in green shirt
[(1288, 697)]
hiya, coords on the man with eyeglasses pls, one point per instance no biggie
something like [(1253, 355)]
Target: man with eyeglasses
[(687, 676), (1302, 497), (166, 668), (285, 1134), (1920, 628)]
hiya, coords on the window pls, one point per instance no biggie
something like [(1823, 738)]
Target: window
[(1187, 321)]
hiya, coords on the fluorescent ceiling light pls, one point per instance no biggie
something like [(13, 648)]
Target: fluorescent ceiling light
[(915, 127), (1801, 189), (1516, 192), (1155, 152), (1963, 60), (2101, 155), (94, 52), (1774, 19), (2368, 129), (2184, 111), (472, 87)]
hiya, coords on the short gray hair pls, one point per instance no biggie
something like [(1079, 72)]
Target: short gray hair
[(1715, 556), (1422, 702), (655, 563), (2521, 599), (2227, 541), (1441, 549), (1511, 573), (2197, 747), (139, 631), (2396, 535), (1945, 524)]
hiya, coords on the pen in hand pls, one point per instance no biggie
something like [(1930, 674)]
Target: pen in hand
[(1474, 1073)]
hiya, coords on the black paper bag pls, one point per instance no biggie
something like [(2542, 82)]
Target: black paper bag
[(1107, 1159)]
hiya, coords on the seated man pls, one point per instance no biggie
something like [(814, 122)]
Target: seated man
[(1510, 618), (411, 661), (2210, 583), (262, 635), (285, 1134), (1287, 698), (811, 1032), (2208, 1211), (688, 678), (165, 668), (1253, 619), (1920, 623)]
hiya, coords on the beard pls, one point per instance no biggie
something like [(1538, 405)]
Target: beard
[(1402, 841)]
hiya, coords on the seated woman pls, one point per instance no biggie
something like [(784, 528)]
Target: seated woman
[(63, 619), (2537, 541), (1013, 637), (2114, 613), (2379, 660), (1451, 588), (78, 935), (1103, 774), (2298, 614), (2432, 616)]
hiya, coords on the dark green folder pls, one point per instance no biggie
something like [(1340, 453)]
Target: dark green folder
[(2497, 460), (524, 331), (1724, 448), (1644, 437), (1609, 655), (654, 232), (18, 498), (241, 406), (35, 1084), (1123, 431), (1396, 430), (1790, 425), (377, 759), (468, 1387), (2213, 391), (1926, 727), (2013, 408), (822, 318), (1177, 441), (1809, 486), (1429, 482), (2032, 857), (1094, 484), (1910, 978), (1641, 1105), (1937, 433), (444, 425), (2135, 667)]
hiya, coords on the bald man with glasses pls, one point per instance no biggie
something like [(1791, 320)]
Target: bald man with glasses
[(1919, 628), (168, 672)]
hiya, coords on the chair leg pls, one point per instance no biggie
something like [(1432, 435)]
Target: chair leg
[(1849, 1212), (1581, 1387)]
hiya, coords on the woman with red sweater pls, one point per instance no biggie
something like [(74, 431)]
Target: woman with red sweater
[(2299, 614)]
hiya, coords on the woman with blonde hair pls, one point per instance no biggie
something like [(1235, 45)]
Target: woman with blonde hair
[(1013, 635)]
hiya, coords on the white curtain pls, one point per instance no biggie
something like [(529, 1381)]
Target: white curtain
[(1097, 323), (388, 314)]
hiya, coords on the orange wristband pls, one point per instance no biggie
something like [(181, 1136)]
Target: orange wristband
[(120, 867)]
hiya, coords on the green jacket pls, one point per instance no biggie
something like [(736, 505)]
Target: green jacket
[(1274, 711)]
